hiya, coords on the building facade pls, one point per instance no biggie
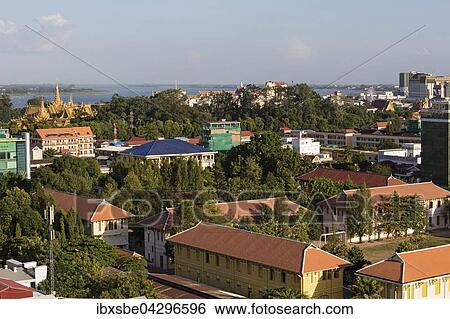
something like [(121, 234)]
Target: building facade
[(435, 142), (100, 218), (418, 274), (248, 263), (73, 141), (159, 150), (221, 136), (334, 210), (350, 138), (15, 153)]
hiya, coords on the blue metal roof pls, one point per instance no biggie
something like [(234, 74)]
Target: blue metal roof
[(164, 147)]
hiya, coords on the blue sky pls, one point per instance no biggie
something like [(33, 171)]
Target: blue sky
[(221, 41)]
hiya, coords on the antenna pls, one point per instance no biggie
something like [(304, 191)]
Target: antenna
[(49, 214), (131, 123), (115, 133)]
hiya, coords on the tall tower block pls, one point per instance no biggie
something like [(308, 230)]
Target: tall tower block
[(435, 142)]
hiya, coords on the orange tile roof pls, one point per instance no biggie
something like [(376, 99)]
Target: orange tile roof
[(89, 209), (45, 133), (276, 252), (411, 266), (252, 208), (426, 191), (343, 176)]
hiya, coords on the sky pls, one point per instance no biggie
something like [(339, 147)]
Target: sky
[(221, 41)]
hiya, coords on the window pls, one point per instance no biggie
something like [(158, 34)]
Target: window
[(430, 205), (430, 221), (238, 265), (437, 287), (438, 220), (336, 273), (260, 271), (188, 252), (207, 258), (312, 277), (272, 274), (197, 255), (283, 277), (217, 260), (249, 268), (227, 262), (438, 203), (424, 290)]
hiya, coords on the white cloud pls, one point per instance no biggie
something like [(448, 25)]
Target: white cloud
[(7, 27), (297, 51), (53, 21)]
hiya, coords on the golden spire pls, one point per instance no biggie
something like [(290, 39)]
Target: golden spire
[(42, 102), (57, 96)]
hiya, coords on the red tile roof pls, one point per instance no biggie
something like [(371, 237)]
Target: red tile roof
[(276, 252), (161, 222), (411, 266), (54, 133), (235, 210), (12, 290), (252, 208), (137, 140), (343, 176), (89, 209), (426, 191)]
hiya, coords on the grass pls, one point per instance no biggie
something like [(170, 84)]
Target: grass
[(379, 250)]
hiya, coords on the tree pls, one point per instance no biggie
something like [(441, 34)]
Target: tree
[(336, 247), (355, 255), (360, 216), (5, 108), (366, 288), (282, 293), (404, 246)]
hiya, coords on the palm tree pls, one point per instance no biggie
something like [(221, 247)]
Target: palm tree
[(282, 293), (366, 288)]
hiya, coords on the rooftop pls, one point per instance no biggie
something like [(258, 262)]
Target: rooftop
[(276, 252), (10, 289), (165, 147), (411, 266), (357, 178), (89, 209), (425, 190), (44, 133)]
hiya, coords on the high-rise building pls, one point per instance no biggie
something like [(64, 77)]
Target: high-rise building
[(427, 86), (435, 142), (403, 82), (15, 153), (221, 136)]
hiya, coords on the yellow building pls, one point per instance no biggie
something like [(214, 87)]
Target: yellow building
[(417, 274), (248, 263), (56, 112)]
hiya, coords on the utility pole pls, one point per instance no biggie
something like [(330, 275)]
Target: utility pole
[(49, 214)]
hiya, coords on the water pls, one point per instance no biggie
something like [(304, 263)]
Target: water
[(147, 90)]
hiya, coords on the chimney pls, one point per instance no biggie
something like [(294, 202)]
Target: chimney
[(14, 269)]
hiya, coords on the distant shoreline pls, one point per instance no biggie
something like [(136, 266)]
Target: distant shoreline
[(31, 94)]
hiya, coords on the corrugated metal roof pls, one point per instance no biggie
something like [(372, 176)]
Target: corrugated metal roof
[(165, 147)]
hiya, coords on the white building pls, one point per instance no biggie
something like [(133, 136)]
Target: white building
[(28, 274), (156, 230), (100, 219), (409, 153)]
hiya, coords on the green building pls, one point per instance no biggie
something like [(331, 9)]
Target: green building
[(435, 142), (14, 153), (221, 136)]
